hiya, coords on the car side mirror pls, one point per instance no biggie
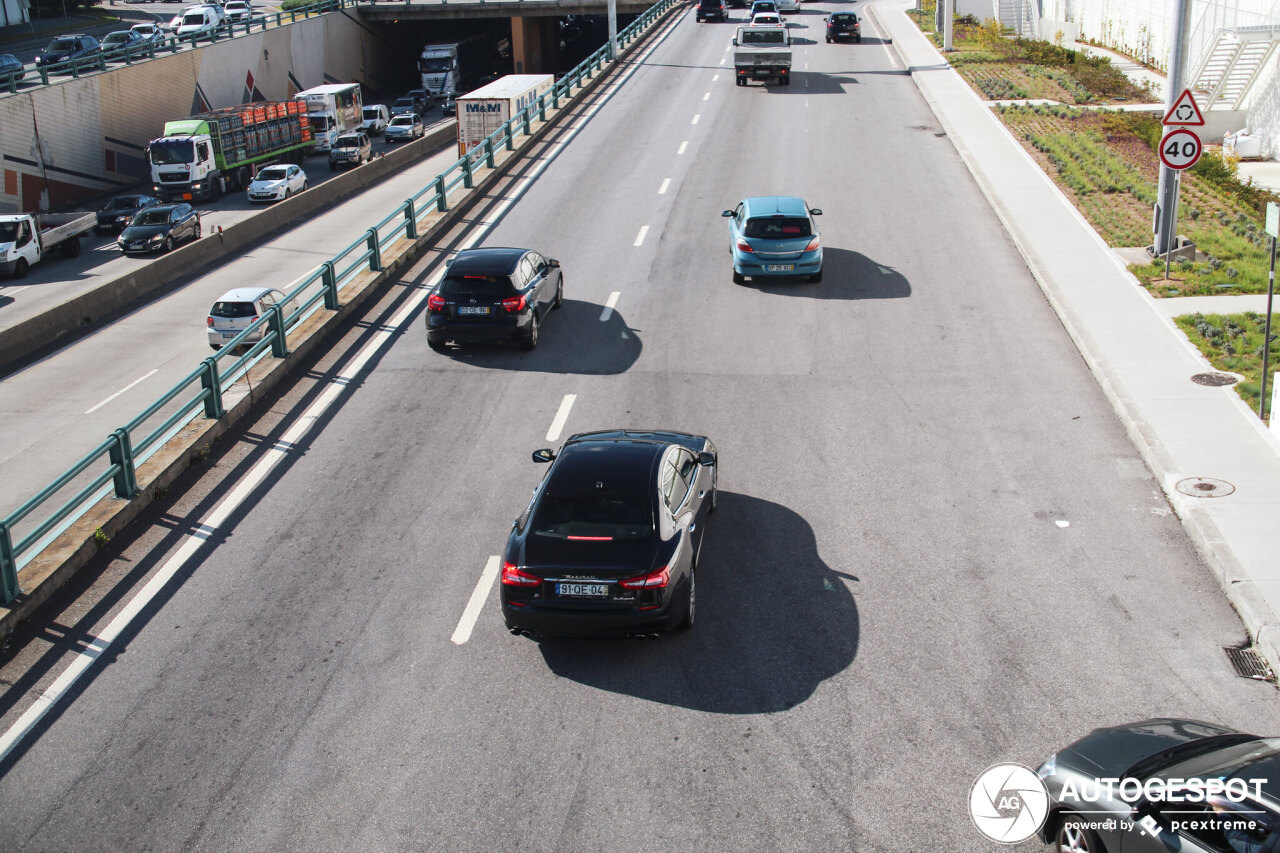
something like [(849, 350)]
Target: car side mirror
[(735, 41), (726, 213), (545, 454), (553, 263), (706, 458), (815, 211)]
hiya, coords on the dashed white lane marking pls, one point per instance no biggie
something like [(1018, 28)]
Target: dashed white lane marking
[(662, 190), (1062, 522), (16, 290), (683, 146), (715, 77), (722, 61), (562, 415), (609, 306), (476, 603), (695, 119), (706, 96), (121, 391), (644, 229)]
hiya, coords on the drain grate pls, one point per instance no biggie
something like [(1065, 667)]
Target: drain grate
[(1248, 663), (1215, 380)]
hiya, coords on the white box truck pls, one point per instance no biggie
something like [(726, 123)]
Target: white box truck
[(334, 109), (486, 109)]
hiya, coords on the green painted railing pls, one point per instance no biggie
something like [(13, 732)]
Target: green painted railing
[(200, 393)]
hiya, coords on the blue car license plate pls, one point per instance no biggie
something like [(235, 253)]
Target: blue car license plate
[(779, 267), (583, 590)]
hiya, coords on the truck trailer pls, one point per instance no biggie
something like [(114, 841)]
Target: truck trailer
[(199, 157), (483, 111)]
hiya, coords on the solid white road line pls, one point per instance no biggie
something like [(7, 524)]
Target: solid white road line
[(609, 306), (469, 616), (16, 290), (662, 190), (644, 229), (562, 415), (121, 391), (683, 146)]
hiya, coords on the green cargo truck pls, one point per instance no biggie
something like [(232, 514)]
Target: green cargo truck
[(222, 149)]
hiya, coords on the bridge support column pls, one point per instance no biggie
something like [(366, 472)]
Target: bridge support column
[(532, 50)]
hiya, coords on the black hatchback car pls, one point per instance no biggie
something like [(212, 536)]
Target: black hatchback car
[(609, 544), (708, 9), (843, 25), (11, 65), (160, 228), (116, 214), (494, 294)]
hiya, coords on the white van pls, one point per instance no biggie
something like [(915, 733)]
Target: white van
[(197, 21)]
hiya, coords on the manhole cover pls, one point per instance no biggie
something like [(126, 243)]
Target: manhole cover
[(1205, 487), (1215, 380), (1248, 663)]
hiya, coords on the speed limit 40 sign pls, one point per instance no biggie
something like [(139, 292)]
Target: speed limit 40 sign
[(1180, 149)]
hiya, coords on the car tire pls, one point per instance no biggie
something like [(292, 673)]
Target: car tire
[(168, 245), (715, 500), (739, 278), (215, 347), (816, 277), (287, 192), (20, 268), (1074, 837), (304, 186), (196, 235), (858, 40), (531, 341), (828, 40), (690, 602), (559, 300), (215, 189), (332, 168), (437, 346)]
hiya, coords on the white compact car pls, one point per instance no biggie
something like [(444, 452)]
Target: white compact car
[(788, 5), (236, 309), (278, 182)]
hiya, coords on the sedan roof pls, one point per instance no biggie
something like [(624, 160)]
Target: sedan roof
[(486, 261), (622, 466)]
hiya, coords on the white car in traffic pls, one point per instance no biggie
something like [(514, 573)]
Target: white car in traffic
[(277, 182), (237, 309)]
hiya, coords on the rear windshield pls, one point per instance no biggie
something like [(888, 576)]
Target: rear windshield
[(778, 227), (844, 18), (593, 515), (763, 37), (233, 309), (479, 286)]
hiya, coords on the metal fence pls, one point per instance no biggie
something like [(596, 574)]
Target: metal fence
[(111, 467)]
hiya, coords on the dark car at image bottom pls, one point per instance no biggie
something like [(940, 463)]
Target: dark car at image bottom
[(609, 545), (494, 294)]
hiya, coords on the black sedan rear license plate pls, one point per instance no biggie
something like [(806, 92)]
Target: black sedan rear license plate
[(473, 309), (583, 590)]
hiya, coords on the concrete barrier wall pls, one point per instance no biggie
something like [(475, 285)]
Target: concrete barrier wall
[(79, 139), (88, 310)]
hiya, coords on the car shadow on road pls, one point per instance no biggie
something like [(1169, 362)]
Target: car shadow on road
[(573, 340), (845, 275), (773, 622)]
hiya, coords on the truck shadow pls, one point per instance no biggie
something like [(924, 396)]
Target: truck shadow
[(845, 275), (573, 340), (774, 621)]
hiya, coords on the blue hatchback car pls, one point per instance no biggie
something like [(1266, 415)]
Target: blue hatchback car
[(774, 236)]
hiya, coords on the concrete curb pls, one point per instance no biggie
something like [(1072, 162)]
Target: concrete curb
[(1259, 619), (87, 311), (78, 545)]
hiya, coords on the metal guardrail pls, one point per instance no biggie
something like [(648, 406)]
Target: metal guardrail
[(200, 393), (10, 80)]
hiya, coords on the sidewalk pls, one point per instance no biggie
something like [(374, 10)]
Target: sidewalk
[(1191, 436)]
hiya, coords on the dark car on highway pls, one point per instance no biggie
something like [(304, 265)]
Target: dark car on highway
[(843, 25), (67, 48), (609, 544), (10, 64), (123, 45), (116, 214), (1164, 785), (160, 228), (494, 294), (708, 9)]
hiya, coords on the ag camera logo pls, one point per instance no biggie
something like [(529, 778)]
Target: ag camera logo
[(1008, 803)]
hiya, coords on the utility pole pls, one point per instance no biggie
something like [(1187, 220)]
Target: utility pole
[(948, 24), (1167, 195), (613, 28)]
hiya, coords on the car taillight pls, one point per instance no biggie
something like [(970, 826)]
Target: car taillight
[(435, 303), (513, 304), (650, 581), (513, 575), (813, 245), (744, 246), (210, 324)]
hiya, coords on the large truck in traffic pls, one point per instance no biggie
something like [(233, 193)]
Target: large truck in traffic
[(450, 69), (334, 109), (28, 238), (222, 149), (762, 53), (483, 111)]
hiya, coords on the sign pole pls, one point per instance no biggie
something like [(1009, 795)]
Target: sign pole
[(1266, 335), (1174, 82), (1173, 221)]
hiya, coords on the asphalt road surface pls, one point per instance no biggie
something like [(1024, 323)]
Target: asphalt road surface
[(935, 549)]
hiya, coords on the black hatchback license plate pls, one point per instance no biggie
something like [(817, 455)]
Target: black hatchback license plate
[(473, 310), (582, 590)]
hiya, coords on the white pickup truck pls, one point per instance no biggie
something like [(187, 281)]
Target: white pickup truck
[(762, 53), (27, 238)]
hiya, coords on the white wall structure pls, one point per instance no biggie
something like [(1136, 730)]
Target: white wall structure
[(14, 12)]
